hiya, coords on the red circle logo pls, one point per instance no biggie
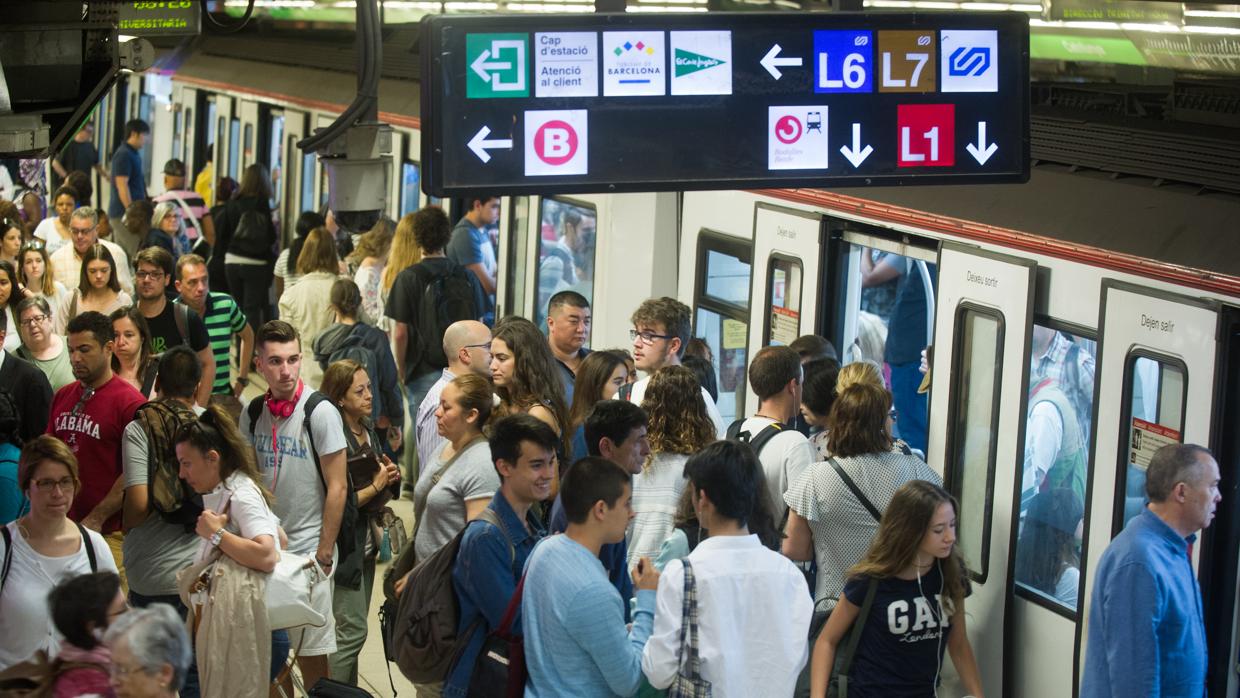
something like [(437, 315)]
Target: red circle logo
[(555, 142), (788, 129)]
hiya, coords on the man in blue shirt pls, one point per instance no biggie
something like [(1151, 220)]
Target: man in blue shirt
[(490, 560), (1146, 629), (471, 247), (615, 430), (128, 177), (576, 642)]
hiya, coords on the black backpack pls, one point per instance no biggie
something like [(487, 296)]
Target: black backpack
[(448, 297), (254, 235), (169, 496), (347, 536), (352, 348), (756, 442)]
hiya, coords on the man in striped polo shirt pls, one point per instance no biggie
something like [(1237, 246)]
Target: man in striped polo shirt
[(223, 319)]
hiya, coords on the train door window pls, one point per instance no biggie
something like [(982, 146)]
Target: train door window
[(307, 182), (518, 253), (1154, 411), (974, 428), (178, 135), (1056, 465), (145, 106), (234, 149), (885, 305), (275, 157), (721, 314), (565, 252), (783, 289), (323, 188), (410, 187), (211, 120)]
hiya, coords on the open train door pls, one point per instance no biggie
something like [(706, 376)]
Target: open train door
[(786, 282), (983, 321), (1155, 350)]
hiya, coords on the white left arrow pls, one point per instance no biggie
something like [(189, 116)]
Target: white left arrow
[(981, 152), (771, 61), (481, 66), (479, 144)]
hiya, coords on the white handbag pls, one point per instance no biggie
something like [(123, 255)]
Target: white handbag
[(296, 589)]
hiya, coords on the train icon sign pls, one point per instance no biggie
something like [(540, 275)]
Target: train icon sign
[(797, 138), (556, 142)]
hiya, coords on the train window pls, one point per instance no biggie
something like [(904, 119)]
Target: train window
[(324, 190), (1056, 465), (565, 252), (234, 148), (247, 152), (783, 290), (721, 314), (410, 183), (275, 158), (307, 182), (1154, 411), (974, 426), (518, 253), (211, 120), (894, 320)]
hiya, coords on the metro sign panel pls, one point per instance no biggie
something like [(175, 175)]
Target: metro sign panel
[(642, 103)]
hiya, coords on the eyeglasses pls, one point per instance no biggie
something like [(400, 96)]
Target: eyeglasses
[(47, 485), (118, 671), (33, 320), (143, 275), (892, 413), (82, 231), (648, 337), (485, 347)]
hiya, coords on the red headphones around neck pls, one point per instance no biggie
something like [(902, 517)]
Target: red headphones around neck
[(283, 408)]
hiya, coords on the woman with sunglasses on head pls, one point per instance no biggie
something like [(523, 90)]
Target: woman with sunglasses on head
[(918, 581), (10, 296), (233, 641), (132, 357), (54, 230), (45, 548), (348, 387), (99, 287)]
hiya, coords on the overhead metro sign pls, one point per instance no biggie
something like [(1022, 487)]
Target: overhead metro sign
[(609, 103)]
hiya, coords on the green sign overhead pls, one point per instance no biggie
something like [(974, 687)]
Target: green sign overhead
[(687, 62), (1096, 49), (158, 18), (497, 65)]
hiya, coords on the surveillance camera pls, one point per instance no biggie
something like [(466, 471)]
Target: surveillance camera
[(359, 168)]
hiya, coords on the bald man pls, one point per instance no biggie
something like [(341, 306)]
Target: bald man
[(467, 344)]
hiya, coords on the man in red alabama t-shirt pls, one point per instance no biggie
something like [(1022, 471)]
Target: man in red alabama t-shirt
[(90, 415)]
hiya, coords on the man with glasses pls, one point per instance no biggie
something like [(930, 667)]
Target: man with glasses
[(41, 345), (568, 329), (26, 384), (467, 344), (90, 415), (660, 331), (67, 261), (172, 324)]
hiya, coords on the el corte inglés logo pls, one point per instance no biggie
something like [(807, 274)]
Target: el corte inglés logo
[(687, 62)]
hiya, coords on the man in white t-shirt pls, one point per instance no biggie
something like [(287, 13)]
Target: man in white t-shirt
[(309, 503), (661, 328), (775, 375)]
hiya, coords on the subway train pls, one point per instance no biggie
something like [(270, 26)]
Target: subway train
[(1129, 286)]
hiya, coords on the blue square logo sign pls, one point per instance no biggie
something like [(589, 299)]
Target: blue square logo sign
[(843, 61), (970, 60)]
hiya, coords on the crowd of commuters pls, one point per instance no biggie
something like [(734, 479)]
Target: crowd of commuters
[(614, 524)]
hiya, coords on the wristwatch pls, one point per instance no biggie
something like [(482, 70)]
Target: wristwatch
[(243, 380), (217, 537)]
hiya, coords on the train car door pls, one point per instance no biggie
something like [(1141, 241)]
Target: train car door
[(786, 282), (293, 171), (247, 112), (1156, 384), (981, 348)]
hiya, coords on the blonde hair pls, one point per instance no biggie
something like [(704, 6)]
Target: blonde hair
[(318, 253), (871, 336), (679, 422), (404, 253), (859, 372), (374, 243)]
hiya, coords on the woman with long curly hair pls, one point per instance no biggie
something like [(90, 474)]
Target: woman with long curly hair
[(527, 378), (679, 427), (918, 580)]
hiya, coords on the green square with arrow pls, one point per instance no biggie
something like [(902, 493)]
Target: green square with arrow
[(496, 65)]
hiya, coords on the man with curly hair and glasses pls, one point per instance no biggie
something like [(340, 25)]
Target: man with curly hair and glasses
[(661, 328)]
